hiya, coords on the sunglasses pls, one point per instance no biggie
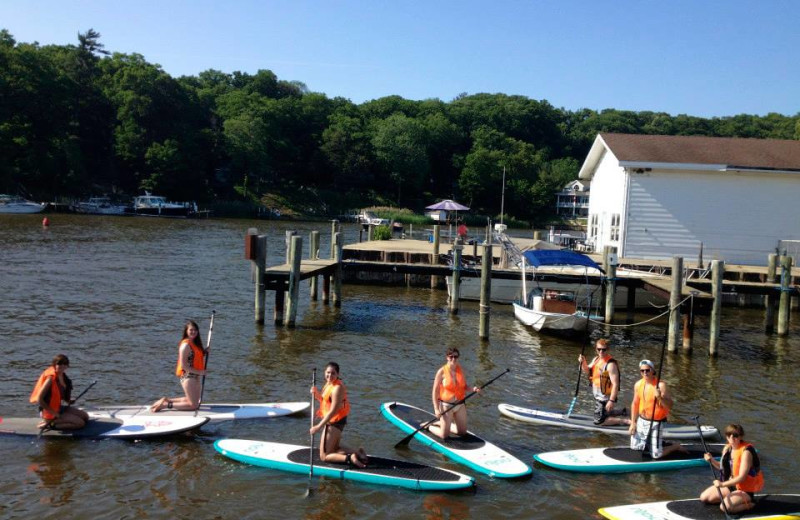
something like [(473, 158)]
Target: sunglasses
[(601, 349), (452, 357), (645, 371), (734, 435)]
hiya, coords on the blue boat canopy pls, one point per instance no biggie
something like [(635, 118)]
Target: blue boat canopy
[(538, 258)]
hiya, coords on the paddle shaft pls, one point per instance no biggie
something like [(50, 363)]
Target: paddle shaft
[(408, 438), (311, 444), (586, 339), (205, 363), (711, 465), (658, 382)]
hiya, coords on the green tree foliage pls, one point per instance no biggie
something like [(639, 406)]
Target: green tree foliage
[(76, 120)]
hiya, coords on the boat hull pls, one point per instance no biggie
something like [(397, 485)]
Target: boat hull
[(550, 321)]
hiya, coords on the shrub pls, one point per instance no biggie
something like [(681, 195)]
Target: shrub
[(382, 233)]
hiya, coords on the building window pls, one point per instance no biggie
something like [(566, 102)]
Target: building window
[(593, 229), (615, 218)]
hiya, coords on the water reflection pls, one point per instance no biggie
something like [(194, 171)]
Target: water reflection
[(54, 466)]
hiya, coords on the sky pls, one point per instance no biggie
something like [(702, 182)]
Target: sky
[(699, 57)]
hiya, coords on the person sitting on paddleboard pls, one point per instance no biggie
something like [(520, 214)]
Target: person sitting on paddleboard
[(51, 389), (190, 369), (741, 472), (334, 407), (651, 405), (449, 387), (604, 374)]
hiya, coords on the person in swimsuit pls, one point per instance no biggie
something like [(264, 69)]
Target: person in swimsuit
[(741, 475), (190, 369), (449, 387), (334, 407)]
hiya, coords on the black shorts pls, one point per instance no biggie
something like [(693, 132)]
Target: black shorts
[(339, 425), (600, 413)]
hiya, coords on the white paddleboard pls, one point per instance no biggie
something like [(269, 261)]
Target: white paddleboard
[(774, 507), (469, 449), (625, 460), (118, 428), (586, 422), (214, 411), (382, 471)]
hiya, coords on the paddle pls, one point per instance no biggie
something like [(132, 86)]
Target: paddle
[(311, 446), (408, 438), (713, 471), (586, 339), (205, 364), (49, 425)]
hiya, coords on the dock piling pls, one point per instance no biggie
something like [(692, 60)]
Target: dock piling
[(674, 301), (313, 254), (771, 299), (337, 278), (717, 273), (486, 292), (295, 256), (784, 305), (435, 255), (455, 287), (610, 285)]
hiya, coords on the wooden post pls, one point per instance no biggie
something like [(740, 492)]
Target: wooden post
[(772, 297), (455, 287), (335, 229), (674, 301), (313, 254), (630, 304), (537, 234), (435, 256), (784, 306), (688, 325), (411, 231), (611, 285), (295, 256), (486, 292), (337, 278), (474, 250), (369, 232), (326, 289), (280, 298), (607, 251), (260, 265), (717, 273)]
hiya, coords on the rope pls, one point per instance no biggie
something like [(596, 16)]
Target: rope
[(641, 322)]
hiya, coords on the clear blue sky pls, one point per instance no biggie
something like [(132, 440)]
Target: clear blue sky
[(703, 58)]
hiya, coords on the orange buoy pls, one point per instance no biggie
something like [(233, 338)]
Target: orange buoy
[(45, 222)]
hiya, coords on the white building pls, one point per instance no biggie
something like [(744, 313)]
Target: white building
[(573, 200), (655, 196)]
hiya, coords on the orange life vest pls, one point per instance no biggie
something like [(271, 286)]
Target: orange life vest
[(327, 401), (55, 392), (197, 358), (598, 374), (645, 396), (755, 478), (452, 389)]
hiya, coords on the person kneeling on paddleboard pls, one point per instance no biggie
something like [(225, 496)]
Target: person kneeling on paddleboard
[(604, 374), (51, 389), (191, 367), (334, 407), (450, 387), (649, 409), (741, 474)]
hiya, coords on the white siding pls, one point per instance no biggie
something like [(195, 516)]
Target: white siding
[(738, 217), (607, 198)]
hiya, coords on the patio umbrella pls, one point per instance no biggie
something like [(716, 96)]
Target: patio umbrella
[(448, 205)]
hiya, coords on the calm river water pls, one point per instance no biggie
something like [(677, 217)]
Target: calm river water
[(113, 294)]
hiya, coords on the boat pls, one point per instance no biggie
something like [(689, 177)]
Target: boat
[(553, 310), (469, 449), (625, 460), (379, 470), (106, 427), (369, 218), (149, 205), (774, 507), (215, 412), (586, 422), (14, 204), (101, 206)]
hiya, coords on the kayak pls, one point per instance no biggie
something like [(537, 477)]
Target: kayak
[(626, 460), (773, 507), (468, 449), (117, 428), (215, 412), (382, 471), (586, 422)]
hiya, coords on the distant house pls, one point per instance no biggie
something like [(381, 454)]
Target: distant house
[(573, 200), (657, 196)]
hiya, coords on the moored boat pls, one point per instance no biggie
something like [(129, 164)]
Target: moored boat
[(101, 206), (14, 204), (149, 205)]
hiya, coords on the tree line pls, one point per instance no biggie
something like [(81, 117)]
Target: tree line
[(76, 120)]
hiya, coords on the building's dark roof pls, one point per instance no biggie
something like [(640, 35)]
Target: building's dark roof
[(767, 154)]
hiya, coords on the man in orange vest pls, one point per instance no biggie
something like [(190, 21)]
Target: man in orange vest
[(651, 404), (604, 374)]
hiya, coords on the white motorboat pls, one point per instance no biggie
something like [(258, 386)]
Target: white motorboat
[(149, 205), (14, 204), (552, 310), (101, 206)]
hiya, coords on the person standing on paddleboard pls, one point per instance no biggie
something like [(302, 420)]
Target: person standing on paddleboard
[(650, 406), (334, 407), (53, 388), (190, 369), (741, 474), (604, 374), (449, 387)]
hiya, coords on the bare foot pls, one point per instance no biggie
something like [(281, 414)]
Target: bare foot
[(362, 456), (356, 461), (158, 405)]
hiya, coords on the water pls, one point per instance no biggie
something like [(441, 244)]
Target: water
[(113, 293)]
